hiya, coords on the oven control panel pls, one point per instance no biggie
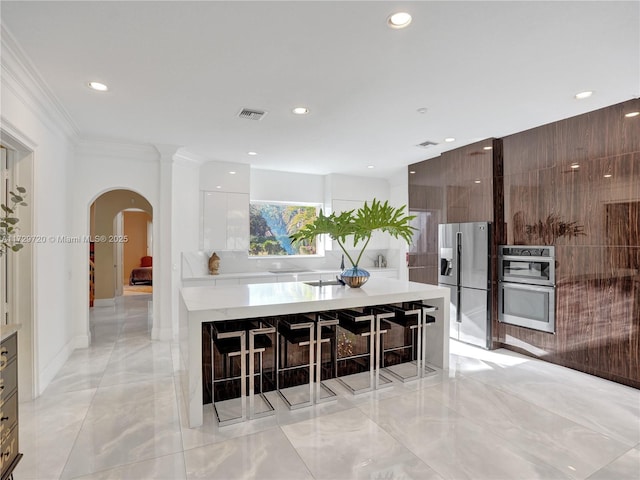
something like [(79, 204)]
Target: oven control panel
[(527, 251)]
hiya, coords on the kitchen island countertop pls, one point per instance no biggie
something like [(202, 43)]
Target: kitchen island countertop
[(209, 304)]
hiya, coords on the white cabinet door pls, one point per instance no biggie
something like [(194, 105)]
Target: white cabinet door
[(225, 222), (238, 221), (214, 224)]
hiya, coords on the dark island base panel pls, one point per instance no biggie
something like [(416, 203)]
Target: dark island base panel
[(344, 354)]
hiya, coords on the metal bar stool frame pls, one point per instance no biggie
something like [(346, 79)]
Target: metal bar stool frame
[(323, 320), (349, 315), (252, 351), (242, 336), (310, 325), (425, 369), (380, 315), (392, 312)]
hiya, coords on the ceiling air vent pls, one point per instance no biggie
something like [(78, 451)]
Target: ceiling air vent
[(251, 114), (427, 144)]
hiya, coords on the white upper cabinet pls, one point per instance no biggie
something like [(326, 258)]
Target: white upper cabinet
[(224, 188), (225, 222)]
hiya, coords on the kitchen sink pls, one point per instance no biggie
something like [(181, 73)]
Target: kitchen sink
[(324, 283)]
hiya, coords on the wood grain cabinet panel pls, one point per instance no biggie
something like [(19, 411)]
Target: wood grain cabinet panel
[(574, 184)]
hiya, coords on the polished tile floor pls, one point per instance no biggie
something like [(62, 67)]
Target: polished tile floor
[(114, 412)]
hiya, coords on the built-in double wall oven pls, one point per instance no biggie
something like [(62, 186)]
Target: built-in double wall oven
[(527, 286)]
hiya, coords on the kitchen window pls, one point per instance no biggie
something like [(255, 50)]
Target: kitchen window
[(271, 223)]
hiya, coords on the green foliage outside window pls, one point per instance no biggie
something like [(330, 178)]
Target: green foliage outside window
[(271, 224)]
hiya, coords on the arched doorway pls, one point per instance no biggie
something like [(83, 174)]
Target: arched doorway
[(135, 253), (120, 231)]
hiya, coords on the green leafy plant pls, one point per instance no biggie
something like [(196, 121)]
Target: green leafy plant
[(9, 220), (360, 224)]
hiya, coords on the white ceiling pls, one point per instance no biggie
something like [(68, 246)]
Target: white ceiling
[(179, 72)]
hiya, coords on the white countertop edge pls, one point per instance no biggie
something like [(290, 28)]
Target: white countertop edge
[(241, 301)]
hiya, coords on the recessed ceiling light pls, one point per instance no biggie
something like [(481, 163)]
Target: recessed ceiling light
[(218, 186), (575, 165), (300, 110), (422, 110), (370, 166), (477, 181), (399, 20), (100, 87), (582, 95), (631, 114), (488, 148), (232, 173), (608, 175), (412, 172), (252, 153), (449, 139)]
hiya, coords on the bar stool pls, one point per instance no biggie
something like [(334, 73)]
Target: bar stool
[(298, 331), (406, 316), (325, 325), (259, 341), (230, 339), (427, 320), (363, 324)]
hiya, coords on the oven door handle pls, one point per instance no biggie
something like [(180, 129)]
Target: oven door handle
[(527, 258), (526, 286)]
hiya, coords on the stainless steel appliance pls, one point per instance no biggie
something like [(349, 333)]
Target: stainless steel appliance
[(464, 268), (533, 265), (526, 294)]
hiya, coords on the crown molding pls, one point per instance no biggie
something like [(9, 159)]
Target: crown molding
[(20, 76), (185, 156), (100, 149), (14, 134)]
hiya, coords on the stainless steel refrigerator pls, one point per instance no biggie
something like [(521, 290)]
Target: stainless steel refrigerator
[(464, 252)]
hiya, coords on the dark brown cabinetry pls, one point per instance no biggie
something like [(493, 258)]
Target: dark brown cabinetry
[(573, 184), (9, 455)]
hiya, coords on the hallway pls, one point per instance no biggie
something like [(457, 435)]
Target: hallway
[(112, 412)]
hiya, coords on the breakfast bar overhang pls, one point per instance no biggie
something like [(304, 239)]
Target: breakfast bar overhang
[(199, 305)]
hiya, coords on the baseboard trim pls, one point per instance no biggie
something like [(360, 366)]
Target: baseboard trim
[(104, 302), (81, 341), (163, 334), (48, 373)]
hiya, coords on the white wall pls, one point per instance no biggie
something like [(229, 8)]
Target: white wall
[(100, 167), (186, 218), (274, 186), (216, 176), (31, 117), (348, 187), (398, 196)]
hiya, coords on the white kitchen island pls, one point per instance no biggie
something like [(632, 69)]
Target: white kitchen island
[(199, 305)]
